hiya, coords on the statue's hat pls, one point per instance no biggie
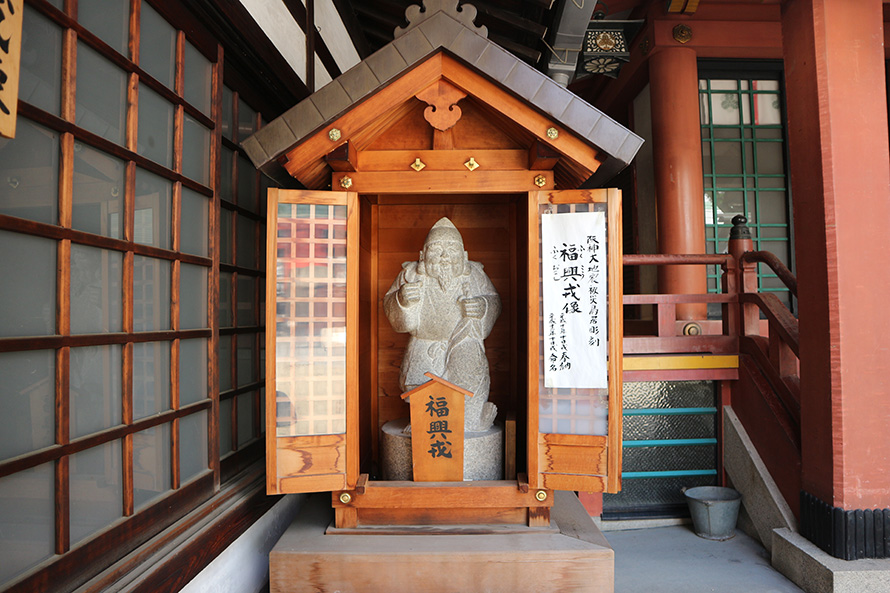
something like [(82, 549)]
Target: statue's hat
[(444, 230)]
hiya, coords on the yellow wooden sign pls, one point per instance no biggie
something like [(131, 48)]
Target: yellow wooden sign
[(437, 430), (10, 61)]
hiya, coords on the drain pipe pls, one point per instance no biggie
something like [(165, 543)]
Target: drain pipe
[(572, 18)]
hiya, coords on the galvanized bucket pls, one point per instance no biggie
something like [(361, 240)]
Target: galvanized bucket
[(714, 511)]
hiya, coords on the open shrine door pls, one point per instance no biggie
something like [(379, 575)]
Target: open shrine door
[(575, 328), (312, 271)]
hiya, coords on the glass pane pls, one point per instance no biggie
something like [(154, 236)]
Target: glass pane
[(246, 120), (192, 371), (151, 294), (96, 489), (151, 378), (198, 74), (767, 108), (29, 303), (192, 446), (727, 158), (247, 371), (225, 175), (157, 46), (247, 184), (95, 389), (98, 192), (29, 173), (225, 363), (153, 216), (725, 109), (773, 207), (225, 236), (40, 78), (770, 158), (311, 362), (155, 136), (729, 203), (246, 242), (195, 222), (192, 297), (27, 520), (108, 20), (101, 94), (225, 299), (151, 464), (27, 394), (246, 301), (227, 124), (96, 297), (195, 151), (225, 427), (246, 418)]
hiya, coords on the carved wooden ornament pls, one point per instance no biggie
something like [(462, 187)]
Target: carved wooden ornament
[(442, 99)]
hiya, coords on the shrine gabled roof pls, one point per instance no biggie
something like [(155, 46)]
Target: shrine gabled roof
[(442, 27)]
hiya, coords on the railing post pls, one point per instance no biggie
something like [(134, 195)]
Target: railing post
[(740, 241)]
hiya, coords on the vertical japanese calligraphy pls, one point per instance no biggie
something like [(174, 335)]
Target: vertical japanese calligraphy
[(10, 55), (573, 274)]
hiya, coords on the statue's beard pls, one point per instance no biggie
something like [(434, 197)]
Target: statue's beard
[(445, 275)]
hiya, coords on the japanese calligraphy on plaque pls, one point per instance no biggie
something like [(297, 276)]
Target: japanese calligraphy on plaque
[(437, 430), (573, 274), (10, 55)]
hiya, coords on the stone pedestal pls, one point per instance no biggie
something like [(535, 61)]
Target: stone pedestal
[(483, 453)]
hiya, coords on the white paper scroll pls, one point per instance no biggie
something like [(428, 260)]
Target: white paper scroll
[(574, 288)]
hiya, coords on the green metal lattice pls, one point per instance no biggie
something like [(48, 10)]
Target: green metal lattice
[(743, 160)]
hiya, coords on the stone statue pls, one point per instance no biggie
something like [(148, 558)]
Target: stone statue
[(448, 305)]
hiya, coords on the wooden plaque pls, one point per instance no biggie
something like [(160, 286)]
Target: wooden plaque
[(437, 430)]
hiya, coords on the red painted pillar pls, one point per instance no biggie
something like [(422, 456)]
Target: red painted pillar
[(837, 126), (676, 141)]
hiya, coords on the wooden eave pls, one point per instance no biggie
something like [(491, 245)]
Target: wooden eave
[(370, 97), (365, 122)]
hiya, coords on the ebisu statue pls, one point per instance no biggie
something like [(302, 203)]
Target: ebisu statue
[(448, 305)]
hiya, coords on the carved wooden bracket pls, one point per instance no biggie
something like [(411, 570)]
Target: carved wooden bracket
[(442, 99)]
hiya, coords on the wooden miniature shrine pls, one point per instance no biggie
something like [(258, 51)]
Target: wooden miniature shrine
[(440, 123)]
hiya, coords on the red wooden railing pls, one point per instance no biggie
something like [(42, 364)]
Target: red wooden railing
[(757, 326)]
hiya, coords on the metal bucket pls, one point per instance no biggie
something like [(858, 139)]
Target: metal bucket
[(714, 511)]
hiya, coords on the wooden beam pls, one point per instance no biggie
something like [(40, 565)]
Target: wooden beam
[(342, 158), (542, 157), (446, 182)]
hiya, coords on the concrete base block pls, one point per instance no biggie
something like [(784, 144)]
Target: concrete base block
[(814, 571), (764, 504)]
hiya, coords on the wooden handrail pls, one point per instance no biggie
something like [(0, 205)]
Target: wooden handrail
[(775, 264), (662, 259)]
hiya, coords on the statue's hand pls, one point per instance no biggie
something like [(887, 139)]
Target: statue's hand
[(473, 307), (410, 292)]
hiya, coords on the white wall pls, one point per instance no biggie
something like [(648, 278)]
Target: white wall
[(243, 567)]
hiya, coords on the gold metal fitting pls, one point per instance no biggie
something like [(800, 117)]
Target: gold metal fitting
[(471, 164), (417, 165), (692, 329), (346, 182), (540, 180), (541, 495), (552, 133), (334, 134), (682, 33), (345, 497)]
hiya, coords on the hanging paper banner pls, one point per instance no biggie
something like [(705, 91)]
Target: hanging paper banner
[(10, 55), (573, 249)]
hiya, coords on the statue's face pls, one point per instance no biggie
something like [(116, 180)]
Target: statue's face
[(443, 259)]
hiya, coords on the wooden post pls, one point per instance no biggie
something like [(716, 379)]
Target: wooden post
[(676, 138), (437, 430)]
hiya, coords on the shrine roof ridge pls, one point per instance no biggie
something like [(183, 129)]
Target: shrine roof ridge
[(442, 32)]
